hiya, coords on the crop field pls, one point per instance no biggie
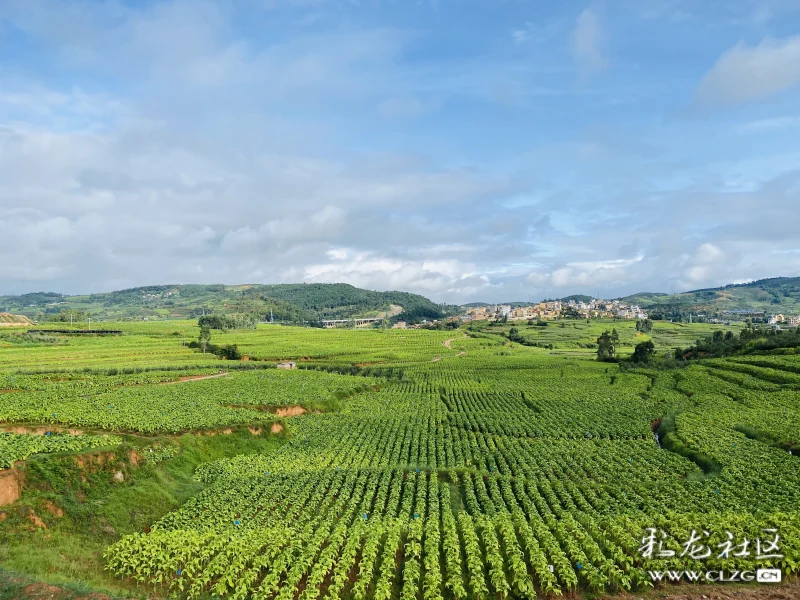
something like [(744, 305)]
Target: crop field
[(423, 464)]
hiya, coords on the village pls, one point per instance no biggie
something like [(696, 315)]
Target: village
[(785, 320), (548, 310)]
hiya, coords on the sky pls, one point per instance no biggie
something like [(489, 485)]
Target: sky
[(467, 150)]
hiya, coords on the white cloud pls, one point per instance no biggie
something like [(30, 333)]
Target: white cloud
[(709, 253), (767, 125), (588, 274), (588, 43), (520, 35), (745, 73), (194, 151), (373, 270), (697, 274)]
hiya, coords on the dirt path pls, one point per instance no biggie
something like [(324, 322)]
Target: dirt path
[(436, 359), (785, 591), (194, 378), (448, 343), (39, 430), (462, 353)]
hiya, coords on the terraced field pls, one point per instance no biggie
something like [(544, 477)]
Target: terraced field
[(497, 471)]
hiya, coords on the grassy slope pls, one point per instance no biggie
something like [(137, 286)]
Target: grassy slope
[(577, 337), (769, 295), (98, 511), (72, 552), (288, 301)]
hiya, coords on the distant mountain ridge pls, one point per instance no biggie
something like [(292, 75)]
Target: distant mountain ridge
[(774, 295), (316, 301), (283, 302)]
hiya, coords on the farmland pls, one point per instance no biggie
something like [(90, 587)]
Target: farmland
[(415, 464)]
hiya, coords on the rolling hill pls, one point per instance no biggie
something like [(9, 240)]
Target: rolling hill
[(284, 302), (776, 295)]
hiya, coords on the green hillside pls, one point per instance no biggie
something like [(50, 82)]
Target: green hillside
[(284, 302), (777, 295)]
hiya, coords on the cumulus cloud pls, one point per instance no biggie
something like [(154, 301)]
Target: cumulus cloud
[(588, 40), (748, 73), (187, 151), (588, 274)]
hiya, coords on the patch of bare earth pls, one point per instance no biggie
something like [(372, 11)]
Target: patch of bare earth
[(53, 508), (448, 344), (90, 462), (45, 591), (35, 520), (290, 411), (276, 428), (194, 378), (39, 430), (10, 486), (785, 591)]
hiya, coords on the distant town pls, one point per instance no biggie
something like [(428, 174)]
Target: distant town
[(597, 309), (593, 309)]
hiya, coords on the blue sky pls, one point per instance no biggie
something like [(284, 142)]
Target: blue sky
[(463, 149)]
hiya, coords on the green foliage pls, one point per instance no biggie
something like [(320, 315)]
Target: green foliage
[(570, 312), (14, 447), (751, 340), (226, 322), (292, 303), (66, 315), (465, 471), (607, 346), (780, 294), (643, 352), (204, 339)]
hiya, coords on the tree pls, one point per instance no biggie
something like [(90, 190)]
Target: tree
[(607, 346), (643, 352), (205, 338), (645, 326), (570, 312), (69, 315), (229, 352)]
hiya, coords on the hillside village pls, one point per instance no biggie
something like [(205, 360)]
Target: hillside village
[(555, 309)]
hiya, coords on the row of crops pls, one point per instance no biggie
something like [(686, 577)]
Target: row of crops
[(166, 343), (14, 447), (486, 475), (342, 532), (158, 401), (495, 470)]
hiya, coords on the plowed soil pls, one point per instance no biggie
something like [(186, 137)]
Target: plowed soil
[(784, 591)]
